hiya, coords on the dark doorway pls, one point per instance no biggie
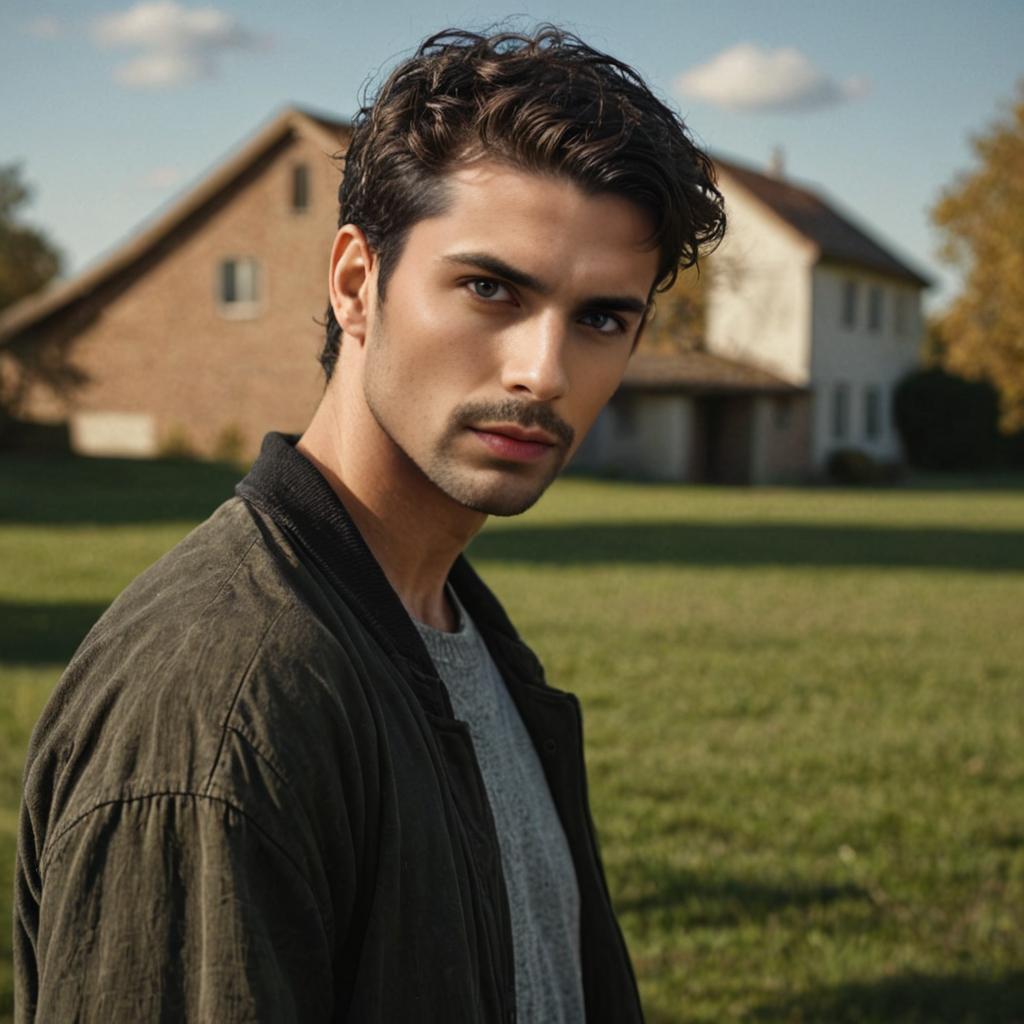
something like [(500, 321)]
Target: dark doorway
[(723, 439)]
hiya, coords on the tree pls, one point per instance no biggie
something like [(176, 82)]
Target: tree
[(28, 261), (981, 218), (678, 321), (27, 258)]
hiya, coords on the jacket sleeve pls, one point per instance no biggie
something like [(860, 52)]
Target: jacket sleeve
[(177, 906)]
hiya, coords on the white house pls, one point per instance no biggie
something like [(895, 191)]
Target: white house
[(810, 323)]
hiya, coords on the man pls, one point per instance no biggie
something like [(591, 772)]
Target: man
[(304, 769)]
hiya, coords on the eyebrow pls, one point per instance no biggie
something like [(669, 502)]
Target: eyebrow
[(499, 268)]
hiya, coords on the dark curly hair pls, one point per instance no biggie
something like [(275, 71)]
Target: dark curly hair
[(544, 102)]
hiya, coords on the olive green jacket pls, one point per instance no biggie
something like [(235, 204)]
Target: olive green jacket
[(248, 798)]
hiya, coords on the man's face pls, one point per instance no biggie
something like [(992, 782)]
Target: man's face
[(507, 325)]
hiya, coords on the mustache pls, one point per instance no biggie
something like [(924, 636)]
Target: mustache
[(522, 414)]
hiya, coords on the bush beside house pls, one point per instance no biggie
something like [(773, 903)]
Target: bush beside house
[(949, 423)]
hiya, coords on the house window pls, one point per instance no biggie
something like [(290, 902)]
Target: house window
[(872, 412), (875, 308), (300, 188), (239, 287), (901, 313), (840, 411), (849, 312)]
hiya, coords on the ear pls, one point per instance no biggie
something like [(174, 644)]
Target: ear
[(350, 284)]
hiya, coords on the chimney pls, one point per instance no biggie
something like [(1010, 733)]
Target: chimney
[(777, 163)]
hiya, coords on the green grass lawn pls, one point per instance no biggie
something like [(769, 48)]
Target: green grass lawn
[(804, 710)]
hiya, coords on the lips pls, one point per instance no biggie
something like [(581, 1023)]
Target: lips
[(518, 433), (514, 443)]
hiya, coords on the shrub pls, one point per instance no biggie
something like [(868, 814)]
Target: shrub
[(176, 444), (230, 444), (38, 438), (947, 422), (854, 466)]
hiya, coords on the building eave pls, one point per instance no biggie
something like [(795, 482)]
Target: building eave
[(701, 373)]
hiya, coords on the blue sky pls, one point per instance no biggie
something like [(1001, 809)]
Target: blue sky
[(114, 107)]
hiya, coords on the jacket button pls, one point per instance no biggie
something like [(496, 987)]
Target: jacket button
[(550, 746)]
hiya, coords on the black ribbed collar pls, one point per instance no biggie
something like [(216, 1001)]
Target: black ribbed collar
[(286, 486)]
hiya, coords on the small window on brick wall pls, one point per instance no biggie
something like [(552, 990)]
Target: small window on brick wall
[(238, 287), (300, 188)]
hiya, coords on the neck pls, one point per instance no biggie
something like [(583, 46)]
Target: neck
[(414, 530)]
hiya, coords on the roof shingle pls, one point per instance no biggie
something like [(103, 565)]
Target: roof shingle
[(837, 238)]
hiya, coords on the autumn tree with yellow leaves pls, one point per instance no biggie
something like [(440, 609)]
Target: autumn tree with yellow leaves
[(676, 323), (981, 219)]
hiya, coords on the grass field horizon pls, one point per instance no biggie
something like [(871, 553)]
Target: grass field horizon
[(804, 714)]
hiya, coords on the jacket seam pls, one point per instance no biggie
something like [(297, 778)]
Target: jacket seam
[(50, 851), (234, 572), (234, 700), (257, 748)]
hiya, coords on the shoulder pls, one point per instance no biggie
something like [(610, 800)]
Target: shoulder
[(217, 673)]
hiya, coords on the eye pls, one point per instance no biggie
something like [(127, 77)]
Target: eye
[(605, 323), (488, 289)]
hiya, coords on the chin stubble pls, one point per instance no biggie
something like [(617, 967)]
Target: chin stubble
[(503, 499)]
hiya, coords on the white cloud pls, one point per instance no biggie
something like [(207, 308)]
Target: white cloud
[(163, 68), (178, 44), (750, 77), (44, 27)]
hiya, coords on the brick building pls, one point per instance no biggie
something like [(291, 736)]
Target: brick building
[(200, 332)]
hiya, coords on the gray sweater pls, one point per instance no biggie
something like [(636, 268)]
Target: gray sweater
[(539, 876)]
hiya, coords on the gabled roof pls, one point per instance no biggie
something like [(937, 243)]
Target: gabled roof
[(701, 372), (835, 236), (329, 134)]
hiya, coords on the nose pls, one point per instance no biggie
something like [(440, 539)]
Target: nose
[(535, 359)]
